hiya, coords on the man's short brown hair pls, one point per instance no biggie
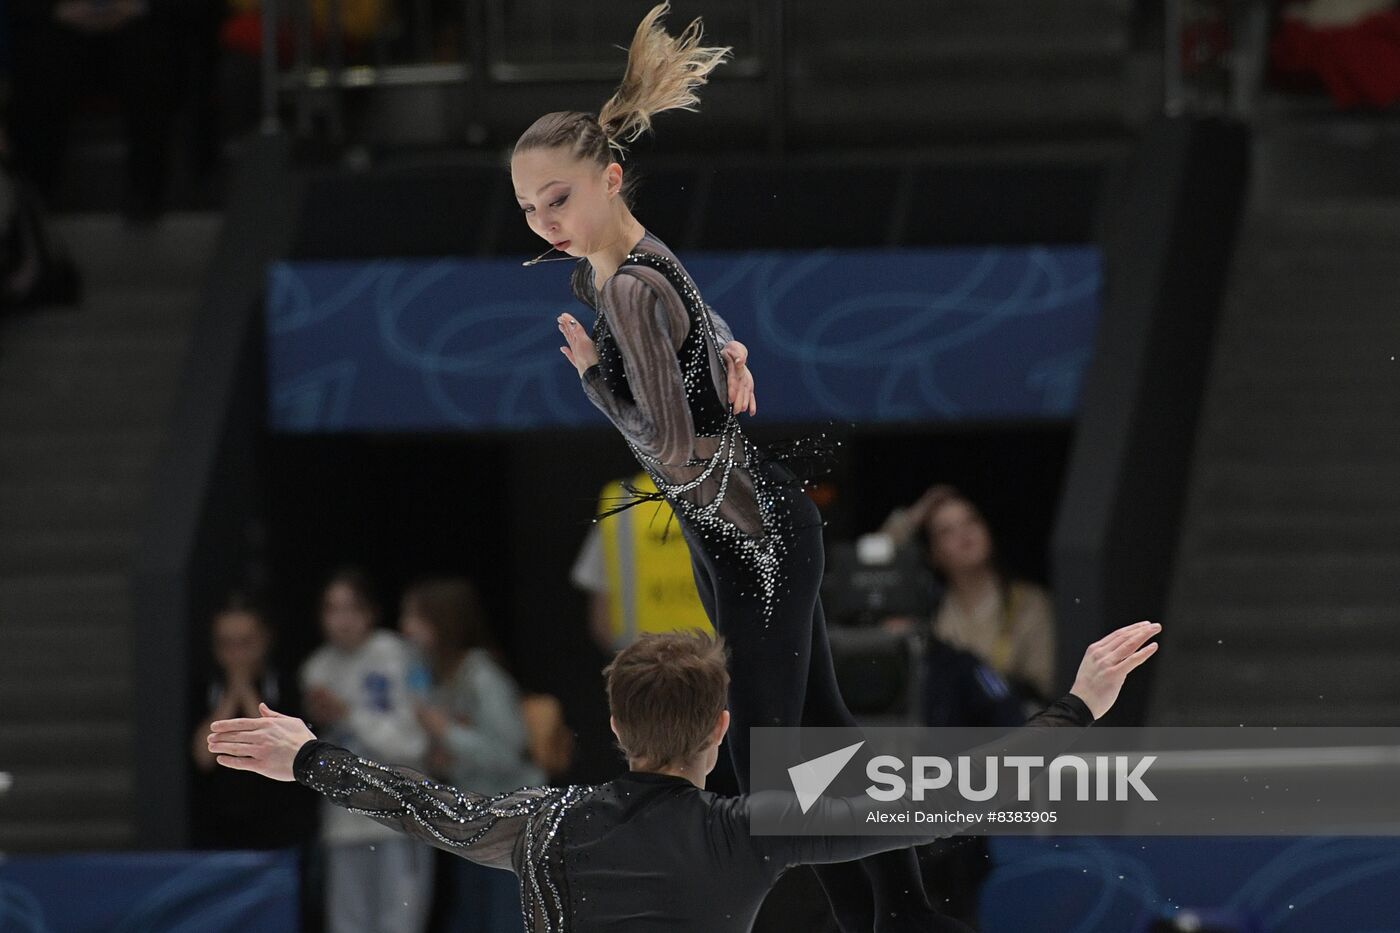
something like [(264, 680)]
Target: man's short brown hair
[(665, 693)]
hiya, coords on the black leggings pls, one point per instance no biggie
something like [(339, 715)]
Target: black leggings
[(781, 674)]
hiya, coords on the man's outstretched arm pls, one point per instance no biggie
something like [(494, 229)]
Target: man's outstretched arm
[(483, 829)]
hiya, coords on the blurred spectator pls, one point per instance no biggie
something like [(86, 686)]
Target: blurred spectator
[(35, 268), (63, 48), (1352, 47), (360, 23), (479, 740), (235, 809), (636, 568), (356, 695), (1007, 624), (990, 661)]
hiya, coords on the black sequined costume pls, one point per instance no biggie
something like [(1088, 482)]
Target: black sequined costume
[(754, 535), (646, 853)]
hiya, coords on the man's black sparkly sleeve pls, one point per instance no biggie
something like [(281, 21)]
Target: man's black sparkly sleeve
[(483, 829)]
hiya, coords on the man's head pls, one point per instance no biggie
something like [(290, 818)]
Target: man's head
[(667, 697)]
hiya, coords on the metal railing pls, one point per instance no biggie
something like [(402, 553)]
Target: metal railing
[(474, 45)]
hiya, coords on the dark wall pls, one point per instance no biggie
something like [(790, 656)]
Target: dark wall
[(199, 536), (467, 207), (1169, 232)]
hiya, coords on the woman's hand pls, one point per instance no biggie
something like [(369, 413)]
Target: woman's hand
[(580, 349), (324, 707), (267, 745), (741, 397), (434, 719), (1107, 663)]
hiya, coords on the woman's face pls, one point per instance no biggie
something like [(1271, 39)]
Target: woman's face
[(419, 633), (958, 538), (568, 202), (240, 641), (345, 619)]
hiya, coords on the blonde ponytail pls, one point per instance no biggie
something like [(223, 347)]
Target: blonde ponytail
[(662, 74)]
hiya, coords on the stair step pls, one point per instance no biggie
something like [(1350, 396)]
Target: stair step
[(1212, 627), (959, 102), (59, 589), (28, 645), (1378, 409), (959, 18), (64, 835), (55, 551), (1361, 382), (1320, 350), (1253, 579), (1274, 531), (92, 792), (53, 699), (106, 503), (1273, 710), (1299, 319), (1289, 485), (1040, 54), (1242, 672), (86, 369), (176, 250), (50, 745), (1235, 435), (123, 455), (1331, 221), (57, 626), (89, 412), (132, 312)]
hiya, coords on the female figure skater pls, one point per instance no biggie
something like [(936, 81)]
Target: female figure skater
[(665, 370)]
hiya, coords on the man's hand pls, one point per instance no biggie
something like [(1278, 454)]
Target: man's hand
[(741, 397), (267, 745), (1107, 663), (580, 349)]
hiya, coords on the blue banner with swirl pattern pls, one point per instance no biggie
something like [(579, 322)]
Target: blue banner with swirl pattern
[(143, 892), (948, 335)]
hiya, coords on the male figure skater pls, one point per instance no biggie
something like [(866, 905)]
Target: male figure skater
[(652, 850)]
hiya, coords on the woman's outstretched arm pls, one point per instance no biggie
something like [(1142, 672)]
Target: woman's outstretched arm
[(1102, 671), (483, 829)]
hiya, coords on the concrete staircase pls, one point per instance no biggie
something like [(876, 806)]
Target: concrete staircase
[(85, 394), (1285, 607)]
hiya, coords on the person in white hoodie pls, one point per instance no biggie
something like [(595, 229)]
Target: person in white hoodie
[(356, 688)]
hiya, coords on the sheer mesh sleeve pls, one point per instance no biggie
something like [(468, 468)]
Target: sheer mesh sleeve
[(722, 330), (658, 421), (1054, 729), (487, 830)]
